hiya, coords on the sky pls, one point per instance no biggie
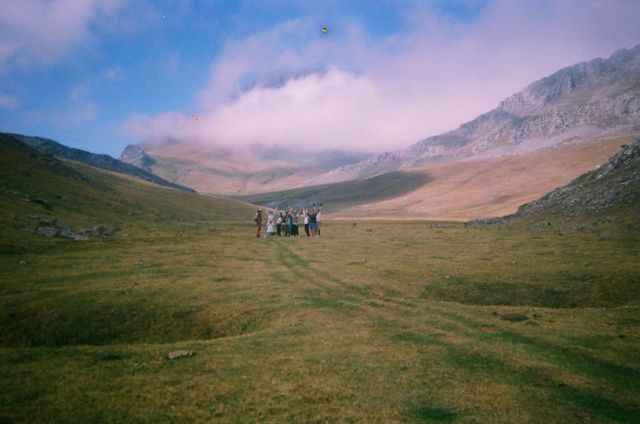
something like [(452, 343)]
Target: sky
[(101, 74)]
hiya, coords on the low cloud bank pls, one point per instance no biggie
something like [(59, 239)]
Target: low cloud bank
[(385, 94)]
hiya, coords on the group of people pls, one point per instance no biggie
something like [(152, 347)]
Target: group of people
[(286, 223)]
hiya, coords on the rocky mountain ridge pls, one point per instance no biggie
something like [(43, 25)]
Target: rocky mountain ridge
[(598, 97), (101, 161)]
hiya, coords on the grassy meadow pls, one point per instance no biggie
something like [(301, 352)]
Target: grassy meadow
[(373, 321)]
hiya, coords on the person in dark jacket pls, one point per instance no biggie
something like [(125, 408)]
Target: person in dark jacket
[(258, 221)]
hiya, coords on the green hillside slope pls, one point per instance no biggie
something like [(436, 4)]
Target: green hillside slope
[(42, 197), (95, 160)]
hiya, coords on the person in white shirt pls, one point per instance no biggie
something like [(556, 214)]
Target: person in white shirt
[(270, 224), (318, 219), (306, 222)]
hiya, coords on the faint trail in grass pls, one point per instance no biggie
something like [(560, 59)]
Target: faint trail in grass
[(574, 360)]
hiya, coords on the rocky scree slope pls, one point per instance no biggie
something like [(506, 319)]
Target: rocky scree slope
[(613, 187)]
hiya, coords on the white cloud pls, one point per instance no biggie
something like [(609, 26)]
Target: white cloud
[(380, 95), (40, 32)]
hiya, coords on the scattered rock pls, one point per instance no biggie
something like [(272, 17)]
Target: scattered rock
[(47, 231), (542, 224), (56, 228), (514, 317), (96, 231), (179, 354)]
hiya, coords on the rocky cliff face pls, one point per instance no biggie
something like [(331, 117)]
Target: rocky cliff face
[(593, 98)]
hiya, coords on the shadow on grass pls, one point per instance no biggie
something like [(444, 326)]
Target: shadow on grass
[(484, 363), (421, 411), (558, 291)]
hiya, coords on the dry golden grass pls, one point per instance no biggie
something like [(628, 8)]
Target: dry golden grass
[(492, 187)]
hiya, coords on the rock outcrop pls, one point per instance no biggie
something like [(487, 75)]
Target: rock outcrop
[(136, 156), (613, 186)]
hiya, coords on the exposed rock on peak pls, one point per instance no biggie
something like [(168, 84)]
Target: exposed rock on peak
[(136, 156)]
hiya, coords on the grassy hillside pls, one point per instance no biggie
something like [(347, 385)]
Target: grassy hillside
[(371, 322), (38, 191), (100, 161)]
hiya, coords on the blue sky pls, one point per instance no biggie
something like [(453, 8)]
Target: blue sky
[(101, 74)]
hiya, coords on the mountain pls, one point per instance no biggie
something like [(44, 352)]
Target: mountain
[(234, 171), (105, 162), (535, 141), (587, 100), (136, 156)]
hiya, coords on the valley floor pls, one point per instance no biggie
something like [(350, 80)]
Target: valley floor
[(372, 322)]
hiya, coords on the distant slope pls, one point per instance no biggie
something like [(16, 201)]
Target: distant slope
[(96, 160), (343, 195), (489, 187), (591, 99), (42, 196), (234, 171), (611, 190)]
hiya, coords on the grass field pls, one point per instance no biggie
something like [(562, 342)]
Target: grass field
[(373, 321)]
